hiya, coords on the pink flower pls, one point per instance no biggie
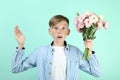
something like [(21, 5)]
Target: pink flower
[(81, 25), (79, 29), (93, 19), (83, 16), (105, 24), (87, 23), (100, 24), (76, 20)]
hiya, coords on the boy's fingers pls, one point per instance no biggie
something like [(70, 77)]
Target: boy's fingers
[(89, 40), (16, 29)]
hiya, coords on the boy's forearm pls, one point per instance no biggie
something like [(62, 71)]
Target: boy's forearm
[(94, 65), (17, 60)]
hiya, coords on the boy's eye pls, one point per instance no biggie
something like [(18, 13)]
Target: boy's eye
[(63, 28), (55, 28)]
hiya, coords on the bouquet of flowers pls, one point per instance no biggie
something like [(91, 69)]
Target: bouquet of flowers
[(87, 24)]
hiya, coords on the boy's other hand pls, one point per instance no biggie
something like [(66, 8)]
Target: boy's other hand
[(19, 37)]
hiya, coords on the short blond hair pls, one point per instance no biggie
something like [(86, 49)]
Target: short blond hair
[(56, 19)]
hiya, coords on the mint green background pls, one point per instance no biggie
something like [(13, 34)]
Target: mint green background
[(32, 16)]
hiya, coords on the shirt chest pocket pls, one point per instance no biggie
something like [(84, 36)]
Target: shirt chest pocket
[(74, 64)]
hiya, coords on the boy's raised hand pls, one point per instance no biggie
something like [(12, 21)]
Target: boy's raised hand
[(19, 37), (88, 44)]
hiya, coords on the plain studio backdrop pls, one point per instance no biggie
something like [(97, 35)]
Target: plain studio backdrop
[(33, 16)]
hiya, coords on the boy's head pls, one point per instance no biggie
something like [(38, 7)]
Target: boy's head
[(56, 19), (59, 29)]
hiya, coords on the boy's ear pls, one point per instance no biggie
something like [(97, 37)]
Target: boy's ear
[(68, 32), (49, 30)]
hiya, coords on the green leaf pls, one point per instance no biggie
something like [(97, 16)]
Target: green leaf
[(77, 14)]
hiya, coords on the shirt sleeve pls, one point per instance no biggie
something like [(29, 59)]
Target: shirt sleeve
[(19, 64), (90, 66)]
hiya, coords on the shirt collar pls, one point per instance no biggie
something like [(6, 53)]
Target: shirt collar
[(65, 43)]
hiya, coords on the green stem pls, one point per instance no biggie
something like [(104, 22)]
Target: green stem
[(86, 54)]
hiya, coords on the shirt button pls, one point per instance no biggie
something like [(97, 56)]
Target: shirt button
[(52, 53), (50, 62), (49, 72)]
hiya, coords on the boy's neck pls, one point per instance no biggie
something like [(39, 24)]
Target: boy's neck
[(58, 44)]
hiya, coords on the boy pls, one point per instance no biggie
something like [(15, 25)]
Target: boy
[(58, 61)]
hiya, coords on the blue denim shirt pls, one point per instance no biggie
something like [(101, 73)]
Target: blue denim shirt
[(42, 59)]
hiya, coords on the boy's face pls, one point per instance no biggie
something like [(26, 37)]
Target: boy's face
[(59, 32)]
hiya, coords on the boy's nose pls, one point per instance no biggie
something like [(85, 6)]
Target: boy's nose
[(59, 31)]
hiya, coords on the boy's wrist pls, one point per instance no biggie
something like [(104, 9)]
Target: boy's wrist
[(20, 48), (91, 52)]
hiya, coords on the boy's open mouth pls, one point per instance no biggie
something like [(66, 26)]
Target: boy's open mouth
[(59, 37)]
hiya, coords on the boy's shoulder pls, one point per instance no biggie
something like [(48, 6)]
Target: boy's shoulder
[(74, 50), (42, 47), (73, 47)]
